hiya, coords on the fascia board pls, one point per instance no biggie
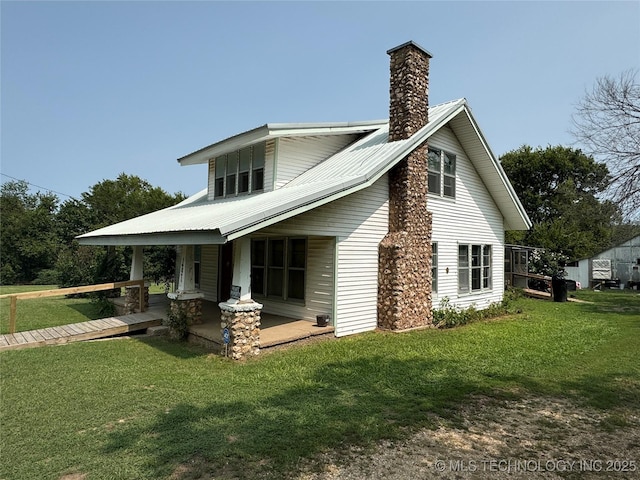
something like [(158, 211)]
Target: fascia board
[(209, 237), (230, 144), (301, 130), (504, 180), (275, 130)]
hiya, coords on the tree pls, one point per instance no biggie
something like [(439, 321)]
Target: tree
[(129, 196), (108, 202), (607, 123), (559, 188), (28, 241)]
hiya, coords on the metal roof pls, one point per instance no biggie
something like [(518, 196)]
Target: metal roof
[(275, 130), (203, 221)]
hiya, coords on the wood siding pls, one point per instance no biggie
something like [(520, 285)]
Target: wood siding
[(296, 155), (471, 218)]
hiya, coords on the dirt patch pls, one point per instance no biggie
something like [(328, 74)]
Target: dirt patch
[(528, 438), (74, 476)]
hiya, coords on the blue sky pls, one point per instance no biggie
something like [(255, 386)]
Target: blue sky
[(93, 89)]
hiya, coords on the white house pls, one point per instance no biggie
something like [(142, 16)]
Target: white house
[(296, 215)]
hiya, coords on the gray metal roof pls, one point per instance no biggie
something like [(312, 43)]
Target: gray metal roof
[(203, 221), (275, 130)]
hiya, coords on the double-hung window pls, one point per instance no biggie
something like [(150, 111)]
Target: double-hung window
[(240, 172), (441, 167), (474, 268), (278, 268)]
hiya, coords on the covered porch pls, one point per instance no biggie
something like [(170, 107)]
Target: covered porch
[(275, 330)]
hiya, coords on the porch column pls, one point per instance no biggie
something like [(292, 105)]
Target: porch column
[(186, 301), (132, 295), (186, 269), (241, 315)]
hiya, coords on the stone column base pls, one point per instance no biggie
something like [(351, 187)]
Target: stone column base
[(189, 306), (132, 299), (184, 310), (242, 323)]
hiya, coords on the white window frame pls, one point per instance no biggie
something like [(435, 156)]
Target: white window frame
[(476, 264), (434, 267), (227, 183), (286, 268), (442, 178)]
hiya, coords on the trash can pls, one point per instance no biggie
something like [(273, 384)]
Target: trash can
[(559, 288)]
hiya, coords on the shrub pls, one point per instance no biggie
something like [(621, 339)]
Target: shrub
[(104, 306), (177, 322), (449, 316)]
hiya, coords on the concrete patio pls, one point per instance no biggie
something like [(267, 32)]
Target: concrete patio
[(274, 329)]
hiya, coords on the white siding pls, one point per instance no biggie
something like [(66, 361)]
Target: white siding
[(296, 155), (209, 272), (211, 185), (270, 164), (358, 223), (471, 218)]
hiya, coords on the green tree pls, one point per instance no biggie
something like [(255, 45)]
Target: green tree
[(106, 203), (559, 188), (28, 238), (129, 196)]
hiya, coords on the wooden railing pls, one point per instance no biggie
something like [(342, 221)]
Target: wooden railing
[(14, 297)]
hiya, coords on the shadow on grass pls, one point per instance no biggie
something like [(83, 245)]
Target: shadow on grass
[(178, 349), (611, 301), (342, 404)]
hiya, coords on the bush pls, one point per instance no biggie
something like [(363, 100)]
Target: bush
[(104, 306), (449, 316), (47, 277), (177, 322)]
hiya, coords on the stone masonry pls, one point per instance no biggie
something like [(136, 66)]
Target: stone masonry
[(190, 309), (404, 269), (242, 321), (132, 299)]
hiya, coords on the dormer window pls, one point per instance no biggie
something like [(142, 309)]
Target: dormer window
[(240, 172)]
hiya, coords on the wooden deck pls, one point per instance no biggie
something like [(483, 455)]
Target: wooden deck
[(76, 332)]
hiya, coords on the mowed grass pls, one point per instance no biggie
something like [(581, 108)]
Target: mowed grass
[(49, 311), (152, 409), (32, 314)]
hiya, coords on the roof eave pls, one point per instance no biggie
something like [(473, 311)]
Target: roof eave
[(202, 237), (522, 222), (275, 130)]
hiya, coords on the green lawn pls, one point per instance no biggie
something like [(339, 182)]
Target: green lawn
[(45, 312), (152, 409), (49, 311)]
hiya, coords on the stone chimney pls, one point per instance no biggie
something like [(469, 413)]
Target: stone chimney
[(404, 269)]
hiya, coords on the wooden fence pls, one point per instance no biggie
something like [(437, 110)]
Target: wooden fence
[(14, 297)]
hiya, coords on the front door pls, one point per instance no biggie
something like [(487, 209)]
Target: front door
[(226, 271)]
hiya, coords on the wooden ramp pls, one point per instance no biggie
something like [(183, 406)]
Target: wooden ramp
[(76, 332)]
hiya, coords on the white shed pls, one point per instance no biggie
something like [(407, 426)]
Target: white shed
[(620, 263)]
